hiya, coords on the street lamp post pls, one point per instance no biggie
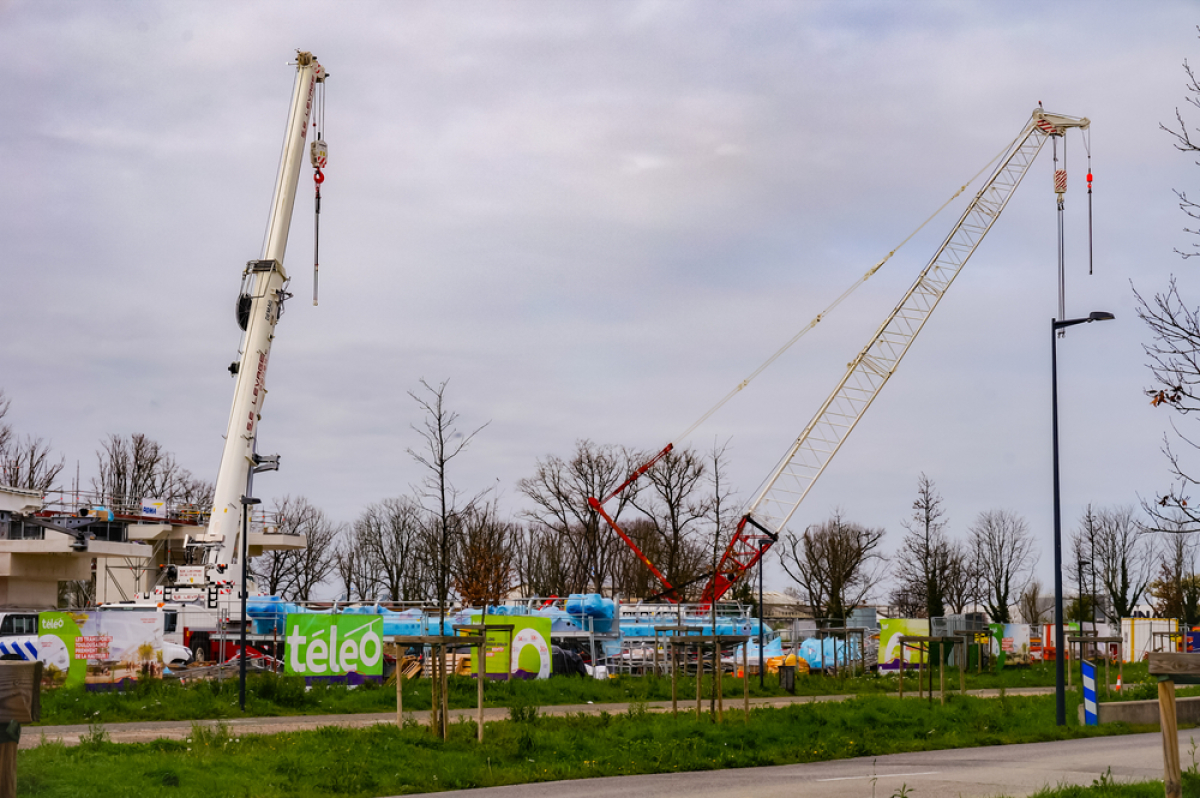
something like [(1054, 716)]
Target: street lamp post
[(1060, 697), (246, 502)]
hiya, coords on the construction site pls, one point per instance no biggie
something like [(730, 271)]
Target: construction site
[(180, 570)]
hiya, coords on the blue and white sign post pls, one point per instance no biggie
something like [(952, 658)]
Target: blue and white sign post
[(1089, 693)]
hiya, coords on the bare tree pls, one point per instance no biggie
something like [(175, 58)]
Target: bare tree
[(1176, 591), (1004, 553), (1175, 354), (722, 511), (836, 564), (138, 467), (294, 574), (924, 553), (560, 491), (484, 566), (905, 600), (442, 442), (6, 431), (1184, 143), (629, 575), (29, 463), (1081, 570), (1175, 365), (356, 570), (77, 593), (192, 491), (1124, 560), (961, 578), (671, 503), (1029, 604), (391, 534), (545, 562)]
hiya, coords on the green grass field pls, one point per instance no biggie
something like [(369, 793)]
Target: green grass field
[(385, 760), (269, 695)]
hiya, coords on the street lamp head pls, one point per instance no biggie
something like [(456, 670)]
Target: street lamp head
[(1095, 315), (251, 500)]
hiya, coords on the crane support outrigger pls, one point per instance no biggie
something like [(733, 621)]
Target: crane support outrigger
[(259, 307), (787, 486)]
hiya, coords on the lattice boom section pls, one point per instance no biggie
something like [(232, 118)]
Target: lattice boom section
[(868, 372)]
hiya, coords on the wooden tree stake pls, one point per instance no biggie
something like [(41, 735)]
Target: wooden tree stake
[(399, 687), (1172, 777), (746, 677)]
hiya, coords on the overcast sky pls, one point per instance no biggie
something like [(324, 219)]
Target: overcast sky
[(593, 219)]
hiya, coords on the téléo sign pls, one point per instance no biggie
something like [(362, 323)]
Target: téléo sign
[(329, 645)]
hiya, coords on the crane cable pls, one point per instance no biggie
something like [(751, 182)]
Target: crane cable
[(318, 179), (1060, 187), (1087, 146), (821, 316)]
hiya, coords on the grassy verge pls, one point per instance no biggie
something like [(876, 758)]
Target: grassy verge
[(386, 760), (1104, 787), (269, 695)]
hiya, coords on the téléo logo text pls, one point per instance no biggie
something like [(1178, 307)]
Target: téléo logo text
[(358, 648), (52, 623)]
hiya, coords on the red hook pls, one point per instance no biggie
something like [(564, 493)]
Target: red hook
[(318, 176)]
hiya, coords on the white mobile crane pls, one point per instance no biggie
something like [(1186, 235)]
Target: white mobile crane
[(259, 307), (191, 600), (782, 493)]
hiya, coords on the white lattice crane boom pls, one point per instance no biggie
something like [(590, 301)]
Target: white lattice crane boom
[(866, 374)]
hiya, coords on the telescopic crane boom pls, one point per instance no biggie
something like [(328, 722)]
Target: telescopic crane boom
[(259, 307), (807, 458)]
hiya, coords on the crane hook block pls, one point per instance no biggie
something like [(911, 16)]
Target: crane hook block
[(319, 154)]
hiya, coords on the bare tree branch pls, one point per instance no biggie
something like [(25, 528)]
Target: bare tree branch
[(836, 564), (1005, 554), (442, 443), (29, 463), (924, 556), (560, 490)]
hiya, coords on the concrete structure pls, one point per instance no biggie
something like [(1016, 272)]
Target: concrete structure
[(34, 559), (125, 550), (1145, 713), (165, 542)]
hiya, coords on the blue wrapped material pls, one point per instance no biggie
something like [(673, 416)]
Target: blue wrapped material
[(591, 605), (772, 648), (560, 620), (268, 613), (820, 654)]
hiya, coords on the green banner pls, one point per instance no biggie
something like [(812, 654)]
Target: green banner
[(890, 632), (525, 653), (57, 633), (329, 645)]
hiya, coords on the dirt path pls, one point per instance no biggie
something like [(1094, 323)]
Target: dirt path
[(141, 732)]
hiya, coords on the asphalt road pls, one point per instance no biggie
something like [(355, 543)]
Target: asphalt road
[(1010, 770)]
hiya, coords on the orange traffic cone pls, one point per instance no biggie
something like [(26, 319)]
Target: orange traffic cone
[(1118, 687)]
